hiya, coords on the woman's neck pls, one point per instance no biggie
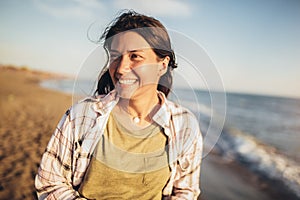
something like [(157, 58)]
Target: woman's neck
[(142, 109)]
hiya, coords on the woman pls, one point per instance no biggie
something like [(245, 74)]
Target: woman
[(128, 141)]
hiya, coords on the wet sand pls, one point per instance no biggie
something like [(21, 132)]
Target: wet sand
[(223, 180), (29, 115)]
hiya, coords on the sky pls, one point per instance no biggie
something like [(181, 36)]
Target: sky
[(254, 44)]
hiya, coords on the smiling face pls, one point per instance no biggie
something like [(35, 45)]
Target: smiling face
[(134, 67)]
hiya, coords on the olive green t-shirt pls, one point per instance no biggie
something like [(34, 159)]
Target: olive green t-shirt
[(127, 164)]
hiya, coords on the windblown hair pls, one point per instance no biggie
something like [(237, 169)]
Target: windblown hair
[(153, 32)]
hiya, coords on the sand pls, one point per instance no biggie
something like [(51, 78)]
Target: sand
[(29, 115)]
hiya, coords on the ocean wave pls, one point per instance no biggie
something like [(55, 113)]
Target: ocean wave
[(236, 145)]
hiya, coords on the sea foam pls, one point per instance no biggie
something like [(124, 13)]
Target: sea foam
[(261, 158)]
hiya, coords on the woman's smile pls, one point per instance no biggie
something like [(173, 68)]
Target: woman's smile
[(127, 82)]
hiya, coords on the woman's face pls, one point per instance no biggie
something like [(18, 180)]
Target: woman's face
[(134, 67)]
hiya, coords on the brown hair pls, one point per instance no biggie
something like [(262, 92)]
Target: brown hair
[(153, 32)]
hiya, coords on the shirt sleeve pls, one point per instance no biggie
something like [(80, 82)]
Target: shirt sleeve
[(54, 178), (187, 180)]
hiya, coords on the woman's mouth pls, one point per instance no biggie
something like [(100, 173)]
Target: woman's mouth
[(127, 81)]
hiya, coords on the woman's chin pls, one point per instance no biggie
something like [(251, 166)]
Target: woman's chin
[(126, 92)]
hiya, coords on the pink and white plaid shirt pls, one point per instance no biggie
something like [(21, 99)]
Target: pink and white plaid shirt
[(71, 147)]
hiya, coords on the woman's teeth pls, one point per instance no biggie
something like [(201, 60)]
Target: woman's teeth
[(127, 81)]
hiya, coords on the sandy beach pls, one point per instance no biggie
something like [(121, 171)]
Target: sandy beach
[(29, 115)]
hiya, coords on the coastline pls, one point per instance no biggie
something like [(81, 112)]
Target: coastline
[(30, 114)]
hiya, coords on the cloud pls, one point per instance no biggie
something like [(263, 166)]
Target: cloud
[(70, 9), (169, 8)]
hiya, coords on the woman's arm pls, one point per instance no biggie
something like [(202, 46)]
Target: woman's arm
[(54, 178), (187, 179)]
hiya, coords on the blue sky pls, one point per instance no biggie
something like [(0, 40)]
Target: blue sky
[(254, 44)]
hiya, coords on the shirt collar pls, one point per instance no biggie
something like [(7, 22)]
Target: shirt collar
[(163, 115), (105, 104)]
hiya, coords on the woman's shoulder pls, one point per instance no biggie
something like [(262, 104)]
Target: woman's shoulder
[(171, 106), (93, 106), (84, 108), (177, 109), (181, 115)]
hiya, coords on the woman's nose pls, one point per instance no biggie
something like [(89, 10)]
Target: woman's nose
[(124, 65)]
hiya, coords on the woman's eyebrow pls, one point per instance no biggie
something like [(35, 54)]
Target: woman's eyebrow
[(136, 50), (142, 50), (113, 51)]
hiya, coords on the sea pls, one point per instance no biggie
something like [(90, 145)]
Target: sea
[(260, 132)]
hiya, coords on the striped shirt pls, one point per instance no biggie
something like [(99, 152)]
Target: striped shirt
[(72, 144)]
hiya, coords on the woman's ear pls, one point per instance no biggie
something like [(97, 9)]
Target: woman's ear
[(163, 66)]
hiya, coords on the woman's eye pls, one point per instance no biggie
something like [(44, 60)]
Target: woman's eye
[(136, 57)]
